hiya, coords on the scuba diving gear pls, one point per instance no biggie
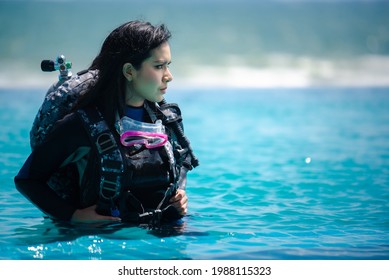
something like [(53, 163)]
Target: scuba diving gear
[(60, 64), (111, 162), (149, 140), (115, 197), (171, 117), (59, 101), (126, 124), (116, 175), (133, 132)]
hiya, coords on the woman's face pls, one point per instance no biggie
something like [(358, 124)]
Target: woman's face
[(150, 81)]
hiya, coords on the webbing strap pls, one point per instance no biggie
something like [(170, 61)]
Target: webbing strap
[(111, 161)]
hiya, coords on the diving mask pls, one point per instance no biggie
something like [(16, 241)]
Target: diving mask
[(133, 132)]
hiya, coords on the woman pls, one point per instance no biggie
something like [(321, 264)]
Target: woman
[(139, 175)]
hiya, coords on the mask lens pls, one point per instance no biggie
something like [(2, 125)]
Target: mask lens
[(148, 139)]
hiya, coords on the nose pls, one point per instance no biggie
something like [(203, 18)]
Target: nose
[(168, 77)]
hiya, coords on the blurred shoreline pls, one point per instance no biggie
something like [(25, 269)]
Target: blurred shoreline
[(215, 43), (290, 71), (283, 71)]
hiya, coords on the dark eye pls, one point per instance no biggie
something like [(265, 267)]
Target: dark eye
[(159, 66)]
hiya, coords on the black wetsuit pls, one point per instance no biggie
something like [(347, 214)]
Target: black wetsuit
[(68, 146)]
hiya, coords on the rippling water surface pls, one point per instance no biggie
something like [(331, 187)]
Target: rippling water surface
[(284, 174)]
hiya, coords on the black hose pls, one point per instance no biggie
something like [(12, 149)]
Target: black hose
[(182, 139)]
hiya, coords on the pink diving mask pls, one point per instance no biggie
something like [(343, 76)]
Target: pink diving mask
[(133, 132), (149, 139)]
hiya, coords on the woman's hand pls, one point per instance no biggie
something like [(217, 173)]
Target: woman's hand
[(180, 202), (89, 215)]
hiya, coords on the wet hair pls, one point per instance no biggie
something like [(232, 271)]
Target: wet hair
[(130, 42)]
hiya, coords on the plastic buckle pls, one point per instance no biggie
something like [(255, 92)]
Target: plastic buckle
[(156, 219), (105, 142)]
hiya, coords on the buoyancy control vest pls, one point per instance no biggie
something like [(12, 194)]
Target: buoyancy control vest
[(59, 101), (121, 172)]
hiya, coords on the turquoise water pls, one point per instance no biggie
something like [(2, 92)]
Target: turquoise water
[(284, 174)]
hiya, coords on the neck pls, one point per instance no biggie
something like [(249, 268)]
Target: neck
[(132, 99), (135, 103)]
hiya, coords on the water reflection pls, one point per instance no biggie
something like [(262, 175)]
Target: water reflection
[(49, 231)]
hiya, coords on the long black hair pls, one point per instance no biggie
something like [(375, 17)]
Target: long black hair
[(130, 42)]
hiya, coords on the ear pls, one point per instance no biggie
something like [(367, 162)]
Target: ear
[(128, 71)]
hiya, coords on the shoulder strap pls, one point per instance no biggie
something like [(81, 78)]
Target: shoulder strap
[(171, 117), (111, 160)]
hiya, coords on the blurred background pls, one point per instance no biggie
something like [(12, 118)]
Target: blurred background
[(216, 43)]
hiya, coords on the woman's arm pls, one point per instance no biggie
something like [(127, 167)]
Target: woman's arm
[(31, 181)]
